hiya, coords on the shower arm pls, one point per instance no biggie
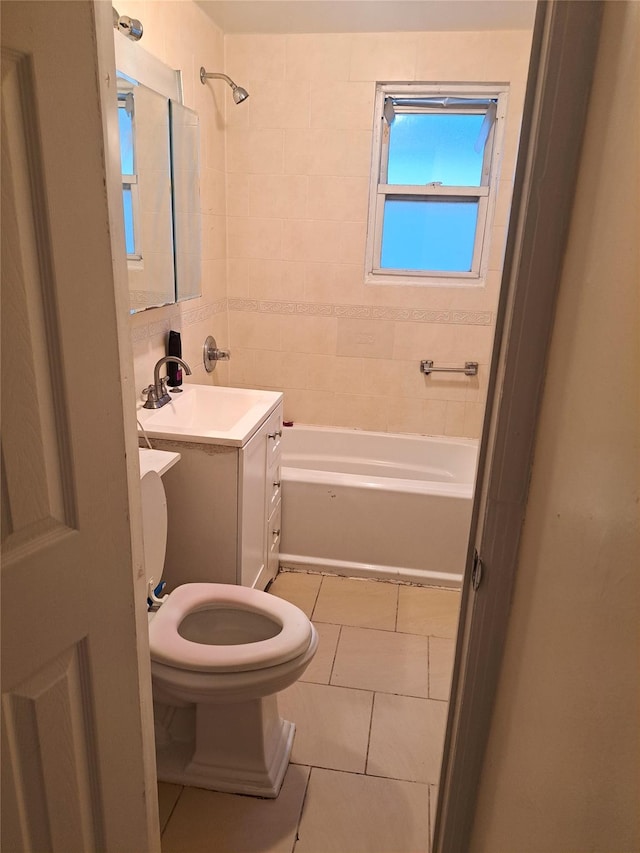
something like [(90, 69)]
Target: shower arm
[(239, 93), (209, 75)]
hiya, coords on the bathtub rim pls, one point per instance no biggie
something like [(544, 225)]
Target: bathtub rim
[(364, 481), (405, 436)]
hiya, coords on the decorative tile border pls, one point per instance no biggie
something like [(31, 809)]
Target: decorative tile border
[(202, 312), (277, 307), (470, 318), (178, 315), (363, 312), (183, 316), (313, 309)]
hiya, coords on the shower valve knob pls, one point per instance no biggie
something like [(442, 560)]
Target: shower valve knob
[(211, 354)]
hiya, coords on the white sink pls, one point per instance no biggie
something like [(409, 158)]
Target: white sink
[(211, 415)]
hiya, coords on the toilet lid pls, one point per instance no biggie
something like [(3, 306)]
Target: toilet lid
[(154, 525), (168, 647)]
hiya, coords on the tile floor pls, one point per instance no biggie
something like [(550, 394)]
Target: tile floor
[(370, 715)]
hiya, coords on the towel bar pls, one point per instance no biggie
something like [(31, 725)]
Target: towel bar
[(470, 368)]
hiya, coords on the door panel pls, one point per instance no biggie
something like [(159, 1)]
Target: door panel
[(73, 758)]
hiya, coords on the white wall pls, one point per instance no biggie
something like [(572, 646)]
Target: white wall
[(562, 767)]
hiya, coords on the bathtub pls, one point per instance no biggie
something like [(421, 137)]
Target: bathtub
[(367, 504)]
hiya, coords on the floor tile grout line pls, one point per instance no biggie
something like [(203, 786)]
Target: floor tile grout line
[(173, 808), (365, 775), (315, 600), (304, 801), (384, 630), (366, 757), (398, 779), (371, 690), (335, 657), (368, 628)]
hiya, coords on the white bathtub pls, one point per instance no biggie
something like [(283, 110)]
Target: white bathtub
[(367, 504)]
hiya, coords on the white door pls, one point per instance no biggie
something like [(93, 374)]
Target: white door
[(73, 773)]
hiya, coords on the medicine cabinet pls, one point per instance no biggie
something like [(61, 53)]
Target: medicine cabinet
[(159, 145)]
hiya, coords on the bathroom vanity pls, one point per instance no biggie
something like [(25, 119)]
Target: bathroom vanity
[(224, 497)]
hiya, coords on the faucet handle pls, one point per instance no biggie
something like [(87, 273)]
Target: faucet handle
[(152, 399)]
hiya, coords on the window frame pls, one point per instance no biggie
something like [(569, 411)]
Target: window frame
[(380, 190)]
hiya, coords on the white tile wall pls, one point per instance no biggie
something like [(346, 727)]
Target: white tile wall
[(297, 196)]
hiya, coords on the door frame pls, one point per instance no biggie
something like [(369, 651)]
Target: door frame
[(106, 69), (563, 56)]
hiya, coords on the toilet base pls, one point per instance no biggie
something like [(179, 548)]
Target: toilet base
[(239, 748)]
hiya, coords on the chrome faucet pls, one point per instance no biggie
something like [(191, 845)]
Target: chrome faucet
[(157, 395)]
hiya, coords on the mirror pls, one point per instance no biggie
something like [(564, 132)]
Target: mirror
[(145, 152), (159, 146)]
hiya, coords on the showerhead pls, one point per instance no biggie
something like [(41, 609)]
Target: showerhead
[(239, 94)]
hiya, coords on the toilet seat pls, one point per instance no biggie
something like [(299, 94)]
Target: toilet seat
[(168, 647), (154, 525)]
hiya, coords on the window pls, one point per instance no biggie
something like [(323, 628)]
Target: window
[(435, 163), (129, 176)]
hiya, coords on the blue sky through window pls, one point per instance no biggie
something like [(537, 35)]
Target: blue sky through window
[(428, 235), (129, 236), (126, 141), (428, 147)]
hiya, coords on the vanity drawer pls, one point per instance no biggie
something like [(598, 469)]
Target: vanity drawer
[(274, 488), (273, 541), (274, 437)]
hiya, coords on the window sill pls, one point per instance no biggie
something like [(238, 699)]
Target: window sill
[(468, 280)]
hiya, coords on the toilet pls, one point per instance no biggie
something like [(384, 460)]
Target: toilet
[(219, 654)]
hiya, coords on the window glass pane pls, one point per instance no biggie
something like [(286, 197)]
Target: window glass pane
[(428, 235), (129, 235), (126, 141), (424, 148)]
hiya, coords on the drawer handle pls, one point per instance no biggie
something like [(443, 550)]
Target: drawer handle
[(274, 435), (276, 533), (277, 483)]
